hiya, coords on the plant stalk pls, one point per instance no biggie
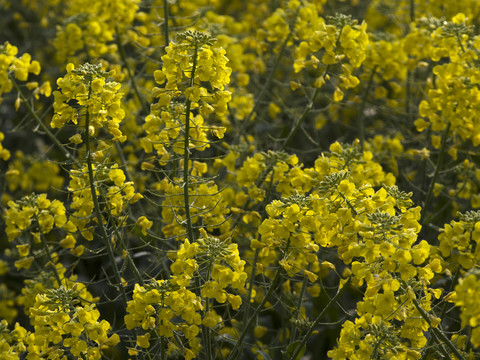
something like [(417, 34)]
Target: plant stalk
[(435, 175), (186, 155), (96, 205), (318, 319), (267, 82), (41, 124), (439, 334)]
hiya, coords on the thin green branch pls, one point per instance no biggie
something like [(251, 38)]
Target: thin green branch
[(250, 285), (186, 155), (309, 107), (49, 255), (266, 84), (302, 118), (239, 344), (361, 114), (131, 76), (412, 10), (165, 23), (40, 123), (443, 313), (439, 334), (435, 175), (318, 319), (96, 205), (299, 305), (124, 247)]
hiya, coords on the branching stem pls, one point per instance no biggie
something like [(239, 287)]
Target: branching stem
[(98, 213), (186, 155), (318, 319), (438, 334), (40, 123), (435, 175)]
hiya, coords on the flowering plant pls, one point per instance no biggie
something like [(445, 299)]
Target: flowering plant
[(219, 179)]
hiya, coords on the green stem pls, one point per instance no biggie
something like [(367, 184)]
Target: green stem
[(98, 213), (204, 331), (439, 334), (310, 104), (360, 117), (49, 255), (408, 96), (41, 124), (128, 257), (443, 313), (250, 286), (208, 341), (302, 118), (186, 156), (239, 344), (266, 85), (207, 338), (377, 345), (165, 23), (162, 348), (318, 319), (131, 76), (299, 304), (435, 175), (412, 10)]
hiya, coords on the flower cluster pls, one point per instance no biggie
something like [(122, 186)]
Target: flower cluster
[(287, 230), (258, 228), (35, 213), (12, 343), (453, 98), (18, 67), (188, 66), (200, 62), (221, 262), (92, 26), (163, 309), (110, 184), (340, 41), (45, 212), (4, 153), (459, 240), (376, 235), (28, 174), (467, 292), (62, 316), (85, 92)]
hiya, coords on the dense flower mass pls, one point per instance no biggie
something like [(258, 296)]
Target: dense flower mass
[(13, 67), (86, 91), (232, 180)]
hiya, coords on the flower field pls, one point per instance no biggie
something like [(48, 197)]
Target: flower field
[(226, 179)]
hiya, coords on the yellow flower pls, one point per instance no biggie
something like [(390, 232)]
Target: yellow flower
[(24, 263), (23, 250), (211, 319), (75, 139), (68, 242), (144, 224), (235, 301)]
